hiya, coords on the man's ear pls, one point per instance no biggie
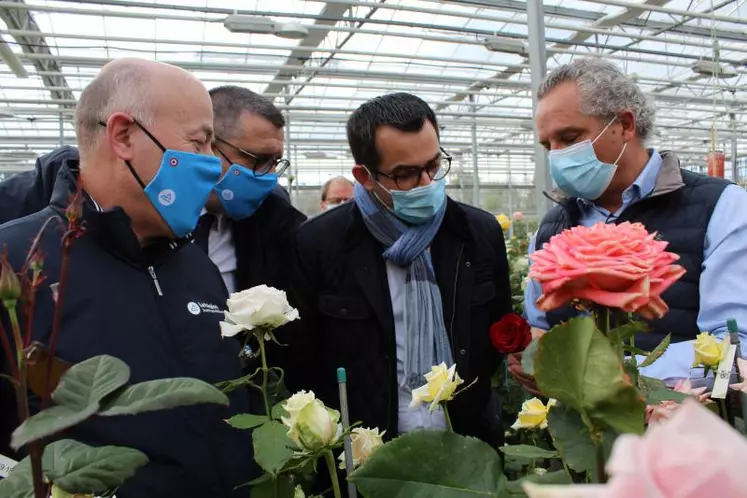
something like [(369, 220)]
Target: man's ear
[(629, 125), (119, 128), (363, 177)]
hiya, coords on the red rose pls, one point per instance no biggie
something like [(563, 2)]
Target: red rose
[(510, 334)]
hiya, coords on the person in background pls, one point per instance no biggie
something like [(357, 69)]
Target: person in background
[(136, 288), (399, 280), (246, 227), (595, 122), (335, 191)]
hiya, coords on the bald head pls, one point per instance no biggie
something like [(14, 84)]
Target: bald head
[(139, 88)]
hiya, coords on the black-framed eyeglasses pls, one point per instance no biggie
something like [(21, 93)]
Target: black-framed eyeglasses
[(409, 177), (261, 165)]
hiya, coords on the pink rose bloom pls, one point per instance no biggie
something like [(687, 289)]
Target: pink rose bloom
[(693, 455), (518, 216), (684, 386), (660, 412), (618, 266)]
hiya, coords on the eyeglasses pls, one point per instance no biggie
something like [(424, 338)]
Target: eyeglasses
[(409, 177), (261, 165)]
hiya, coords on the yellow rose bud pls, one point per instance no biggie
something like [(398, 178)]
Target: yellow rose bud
[(298, 492), (440, 387), (709, 351), (533, 414)]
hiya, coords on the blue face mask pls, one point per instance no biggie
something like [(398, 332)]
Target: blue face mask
[(419, 205), (241, 192), (181, 186), (579, 173)]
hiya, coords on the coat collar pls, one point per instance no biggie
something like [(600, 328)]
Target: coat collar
[(111, 229)]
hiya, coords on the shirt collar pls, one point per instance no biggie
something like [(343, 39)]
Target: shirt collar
[(642, 186)]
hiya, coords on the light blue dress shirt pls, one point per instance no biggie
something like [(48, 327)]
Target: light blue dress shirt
[(723, 280)]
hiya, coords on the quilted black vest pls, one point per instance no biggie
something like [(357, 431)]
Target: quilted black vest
[(681, 218)]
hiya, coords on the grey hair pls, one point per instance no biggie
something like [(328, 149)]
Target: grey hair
[(230, 101), (605, 91), (123, 88)]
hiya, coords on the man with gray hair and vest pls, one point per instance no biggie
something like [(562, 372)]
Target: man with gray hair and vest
[(595, 121)]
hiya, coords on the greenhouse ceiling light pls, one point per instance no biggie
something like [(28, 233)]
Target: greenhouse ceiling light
[(505, 45), (240, 23), (713, 69)]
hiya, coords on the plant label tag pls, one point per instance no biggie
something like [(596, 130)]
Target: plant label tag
[(723, 374), (6, 465)]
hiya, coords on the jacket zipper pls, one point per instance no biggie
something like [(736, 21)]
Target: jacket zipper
[(454, 297), (153, 275)]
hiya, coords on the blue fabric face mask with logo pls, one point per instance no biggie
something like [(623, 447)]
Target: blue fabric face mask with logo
[(241, 191), (181, 186), (419, 205), (579, 173)]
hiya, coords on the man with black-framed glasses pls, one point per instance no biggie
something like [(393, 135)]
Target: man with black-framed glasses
[(399, 280), (246, 225)]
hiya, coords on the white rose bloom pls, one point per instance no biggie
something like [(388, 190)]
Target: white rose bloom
[(363, 442), (294, 405), (260, 306), (316, 426)]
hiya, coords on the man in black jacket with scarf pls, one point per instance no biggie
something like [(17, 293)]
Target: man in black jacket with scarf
[(399, 280), (136, 288)]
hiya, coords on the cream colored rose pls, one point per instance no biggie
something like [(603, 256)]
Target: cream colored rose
[(533, 414), (295, 404), (260, 306), (363, 442), (315, 427), (441, 383)]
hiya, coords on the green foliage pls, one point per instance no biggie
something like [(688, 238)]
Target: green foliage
[(527, 452), (162, 394), (574, 441), (79, 468), (246, 421), (588, 376), (657, 352), (454, 466), (273, 449), (19, 483), (514, 489), (280, 487), (76, 468), (530, 356)]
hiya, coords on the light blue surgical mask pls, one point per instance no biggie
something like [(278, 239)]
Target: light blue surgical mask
[(419, 205), (579, 173), (181, 186), (241, 191)]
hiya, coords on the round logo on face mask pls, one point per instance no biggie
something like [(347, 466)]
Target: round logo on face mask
[(227, 195), (166, 197)]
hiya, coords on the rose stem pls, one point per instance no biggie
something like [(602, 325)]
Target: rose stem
[(448, 418), (329, 458), (265, 372)]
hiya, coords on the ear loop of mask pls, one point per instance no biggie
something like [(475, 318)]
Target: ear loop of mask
[(380, 185), (128, 163), (625, 145)]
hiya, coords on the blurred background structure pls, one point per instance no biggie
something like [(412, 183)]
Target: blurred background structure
[(475, 61)]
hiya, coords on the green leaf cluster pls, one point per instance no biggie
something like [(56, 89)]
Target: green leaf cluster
[(96, 387)]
